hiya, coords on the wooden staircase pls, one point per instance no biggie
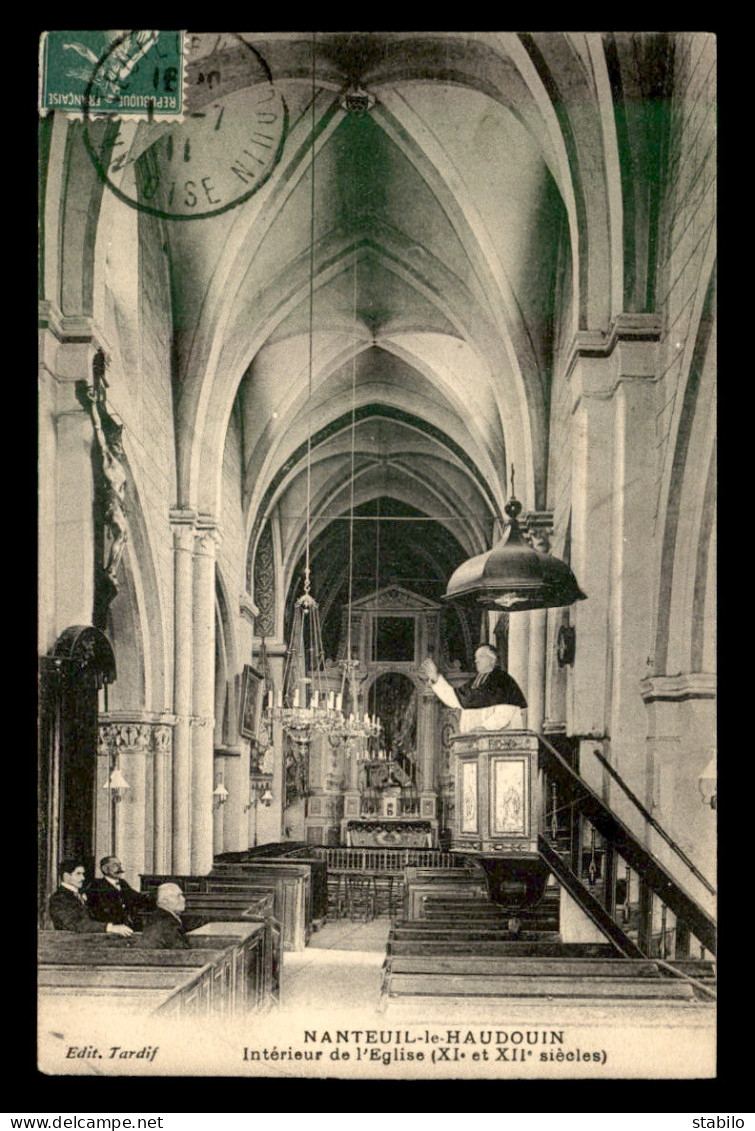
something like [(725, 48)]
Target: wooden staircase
[(463, 946)]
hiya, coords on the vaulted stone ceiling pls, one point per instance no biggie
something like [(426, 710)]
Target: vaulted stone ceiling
[(448, 238)]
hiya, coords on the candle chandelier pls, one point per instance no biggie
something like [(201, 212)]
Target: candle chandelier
[(306, 704), (358, 728)]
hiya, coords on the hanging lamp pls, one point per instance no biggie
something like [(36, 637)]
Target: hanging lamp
[(305, 706), (513, 576), (358, 728)]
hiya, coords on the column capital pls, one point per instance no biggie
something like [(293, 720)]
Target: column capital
[(73, 328), (67, 343), (675, 688), (182, 516), (121, 731), (183, 523), (208, 536), (597, 362)]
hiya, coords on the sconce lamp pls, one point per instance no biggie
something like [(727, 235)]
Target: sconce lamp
[(117, 784), (220, 793), (259, 790), (707, 784)]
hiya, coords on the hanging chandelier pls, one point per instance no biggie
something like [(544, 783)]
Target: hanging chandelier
[(305, 705), (513, 576), (358, 728)]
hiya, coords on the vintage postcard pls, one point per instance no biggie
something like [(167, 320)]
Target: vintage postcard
[(377, 512)]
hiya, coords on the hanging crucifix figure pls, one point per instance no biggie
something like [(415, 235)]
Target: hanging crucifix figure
[(108, 433)]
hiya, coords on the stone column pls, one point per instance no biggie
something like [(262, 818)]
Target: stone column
[(429, 751), (183, 571), (66, 347), (203, 698), (536, 674), (270, 818), (539, 525), (74, 526), (162, 809), (612, 409), (632, 548), (591, 525), (519, 652)]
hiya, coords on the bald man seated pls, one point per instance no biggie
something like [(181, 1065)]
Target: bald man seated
[(68, 905), (490, 701), (164, 929)]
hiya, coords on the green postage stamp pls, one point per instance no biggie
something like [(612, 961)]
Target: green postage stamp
[(124, 73)]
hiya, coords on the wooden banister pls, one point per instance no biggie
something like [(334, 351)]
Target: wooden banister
[(659, 881)]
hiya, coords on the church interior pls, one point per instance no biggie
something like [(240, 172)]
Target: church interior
[(468, 303)]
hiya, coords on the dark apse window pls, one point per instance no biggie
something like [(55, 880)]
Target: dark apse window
[(394, 639)]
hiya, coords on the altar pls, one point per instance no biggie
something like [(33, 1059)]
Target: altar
[(389, 832)]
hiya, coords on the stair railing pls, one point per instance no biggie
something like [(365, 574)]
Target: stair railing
[(584, 843), (654, 823)]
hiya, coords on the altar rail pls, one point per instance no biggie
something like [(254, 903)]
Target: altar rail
[(385, 859)]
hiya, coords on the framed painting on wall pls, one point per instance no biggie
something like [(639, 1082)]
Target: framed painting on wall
[(252, 685)]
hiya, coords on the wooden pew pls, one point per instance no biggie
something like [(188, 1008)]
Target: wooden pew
[(291, 885), (507, 986), (431, 883), (224, 972), (429, 946), (427, 931), (290, 852), (288, 883), (531, 967)]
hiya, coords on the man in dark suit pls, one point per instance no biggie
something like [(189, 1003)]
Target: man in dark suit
[(112, 899), (164, 928), (490, 701), (68, 905)]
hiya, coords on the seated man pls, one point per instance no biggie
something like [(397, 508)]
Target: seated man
[(491, 701), (164, 928), (112, 899), (68, 905)]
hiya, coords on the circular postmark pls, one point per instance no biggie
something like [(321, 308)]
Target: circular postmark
[(225, 149)]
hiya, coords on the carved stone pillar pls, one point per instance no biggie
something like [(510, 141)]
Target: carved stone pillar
[(130, 823), (203, 698), (183, 570)]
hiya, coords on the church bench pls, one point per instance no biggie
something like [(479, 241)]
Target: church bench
[(289, 852), (291, 884), (423, 946), (225, 970), (502, 986), (530, 967), (422, 930)]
